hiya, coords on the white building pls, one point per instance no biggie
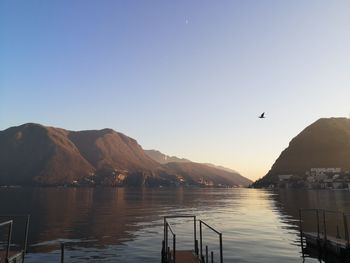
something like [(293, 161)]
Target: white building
[(322, 171), (284, 177)]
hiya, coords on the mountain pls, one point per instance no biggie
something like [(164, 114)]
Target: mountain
[(221, 168), (163, 158), (195, 172), (323, 144), (33, 154), (108, 148)]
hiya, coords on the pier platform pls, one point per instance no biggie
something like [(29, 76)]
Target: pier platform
[(186, 257), (195, 254), (323, 239)]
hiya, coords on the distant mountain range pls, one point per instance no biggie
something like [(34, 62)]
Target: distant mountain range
[(33, 154), (163, 158), (323, 144)]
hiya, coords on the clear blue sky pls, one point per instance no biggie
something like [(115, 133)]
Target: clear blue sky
[(188, 78)]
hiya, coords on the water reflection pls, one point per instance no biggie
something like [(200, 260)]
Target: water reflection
[(289, 201), (94, 217), (125, 225)]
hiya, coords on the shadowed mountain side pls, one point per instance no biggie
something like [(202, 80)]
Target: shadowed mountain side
[(103, 148), (325, 143), (196, 172), (33, 153)]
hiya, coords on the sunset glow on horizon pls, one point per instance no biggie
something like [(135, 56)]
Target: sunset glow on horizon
[(187, 78)]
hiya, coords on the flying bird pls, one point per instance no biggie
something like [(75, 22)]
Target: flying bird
[(262, 116)]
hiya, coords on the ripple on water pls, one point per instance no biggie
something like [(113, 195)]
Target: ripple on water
[(126, 225)]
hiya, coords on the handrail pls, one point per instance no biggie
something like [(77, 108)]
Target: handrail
[(6, 223), (217, 232), (26, 230), (167, 227), (201, 241), (170, 228), (167, 252), (168, 257), (179, 216), (194, 227), (9, 234), (174, 242)]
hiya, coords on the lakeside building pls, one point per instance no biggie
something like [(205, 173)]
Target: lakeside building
[(316, 178)]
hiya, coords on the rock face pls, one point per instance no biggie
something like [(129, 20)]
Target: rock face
[(325, 143), (108, 148), (33, 154)]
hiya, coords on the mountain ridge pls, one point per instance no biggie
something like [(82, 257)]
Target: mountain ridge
[(323, 144), (164, 159), (34, 154)]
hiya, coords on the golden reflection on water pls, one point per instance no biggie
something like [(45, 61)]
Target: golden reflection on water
[(257, 225)]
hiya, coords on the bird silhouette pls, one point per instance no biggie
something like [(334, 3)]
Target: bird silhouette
[(262, 116)]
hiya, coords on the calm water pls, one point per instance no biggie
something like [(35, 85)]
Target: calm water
[(125, 225)]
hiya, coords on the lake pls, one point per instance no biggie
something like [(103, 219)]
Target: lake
[(126, 225)]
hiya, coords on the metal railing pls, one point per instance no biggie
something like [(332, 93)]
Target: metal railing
[(170, 256), (24, 246), (167, 255), (8, 223), (206, 259), (322, 229), (62, 252)]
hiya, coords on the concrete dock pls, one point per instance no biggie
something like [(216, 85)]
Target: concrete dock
[(325, 241)]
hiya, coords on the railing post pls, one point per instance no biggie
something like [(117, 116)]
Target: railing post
[(163, 251), (318, 224), (9, 241), (200, 237), (206, 255), (212, 257), (174, 246), (301, 229), (346, 231), (62, 252), (165, 231), (195, 232), (324, 226), (221, 256), (25, 238), (166, 238)]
